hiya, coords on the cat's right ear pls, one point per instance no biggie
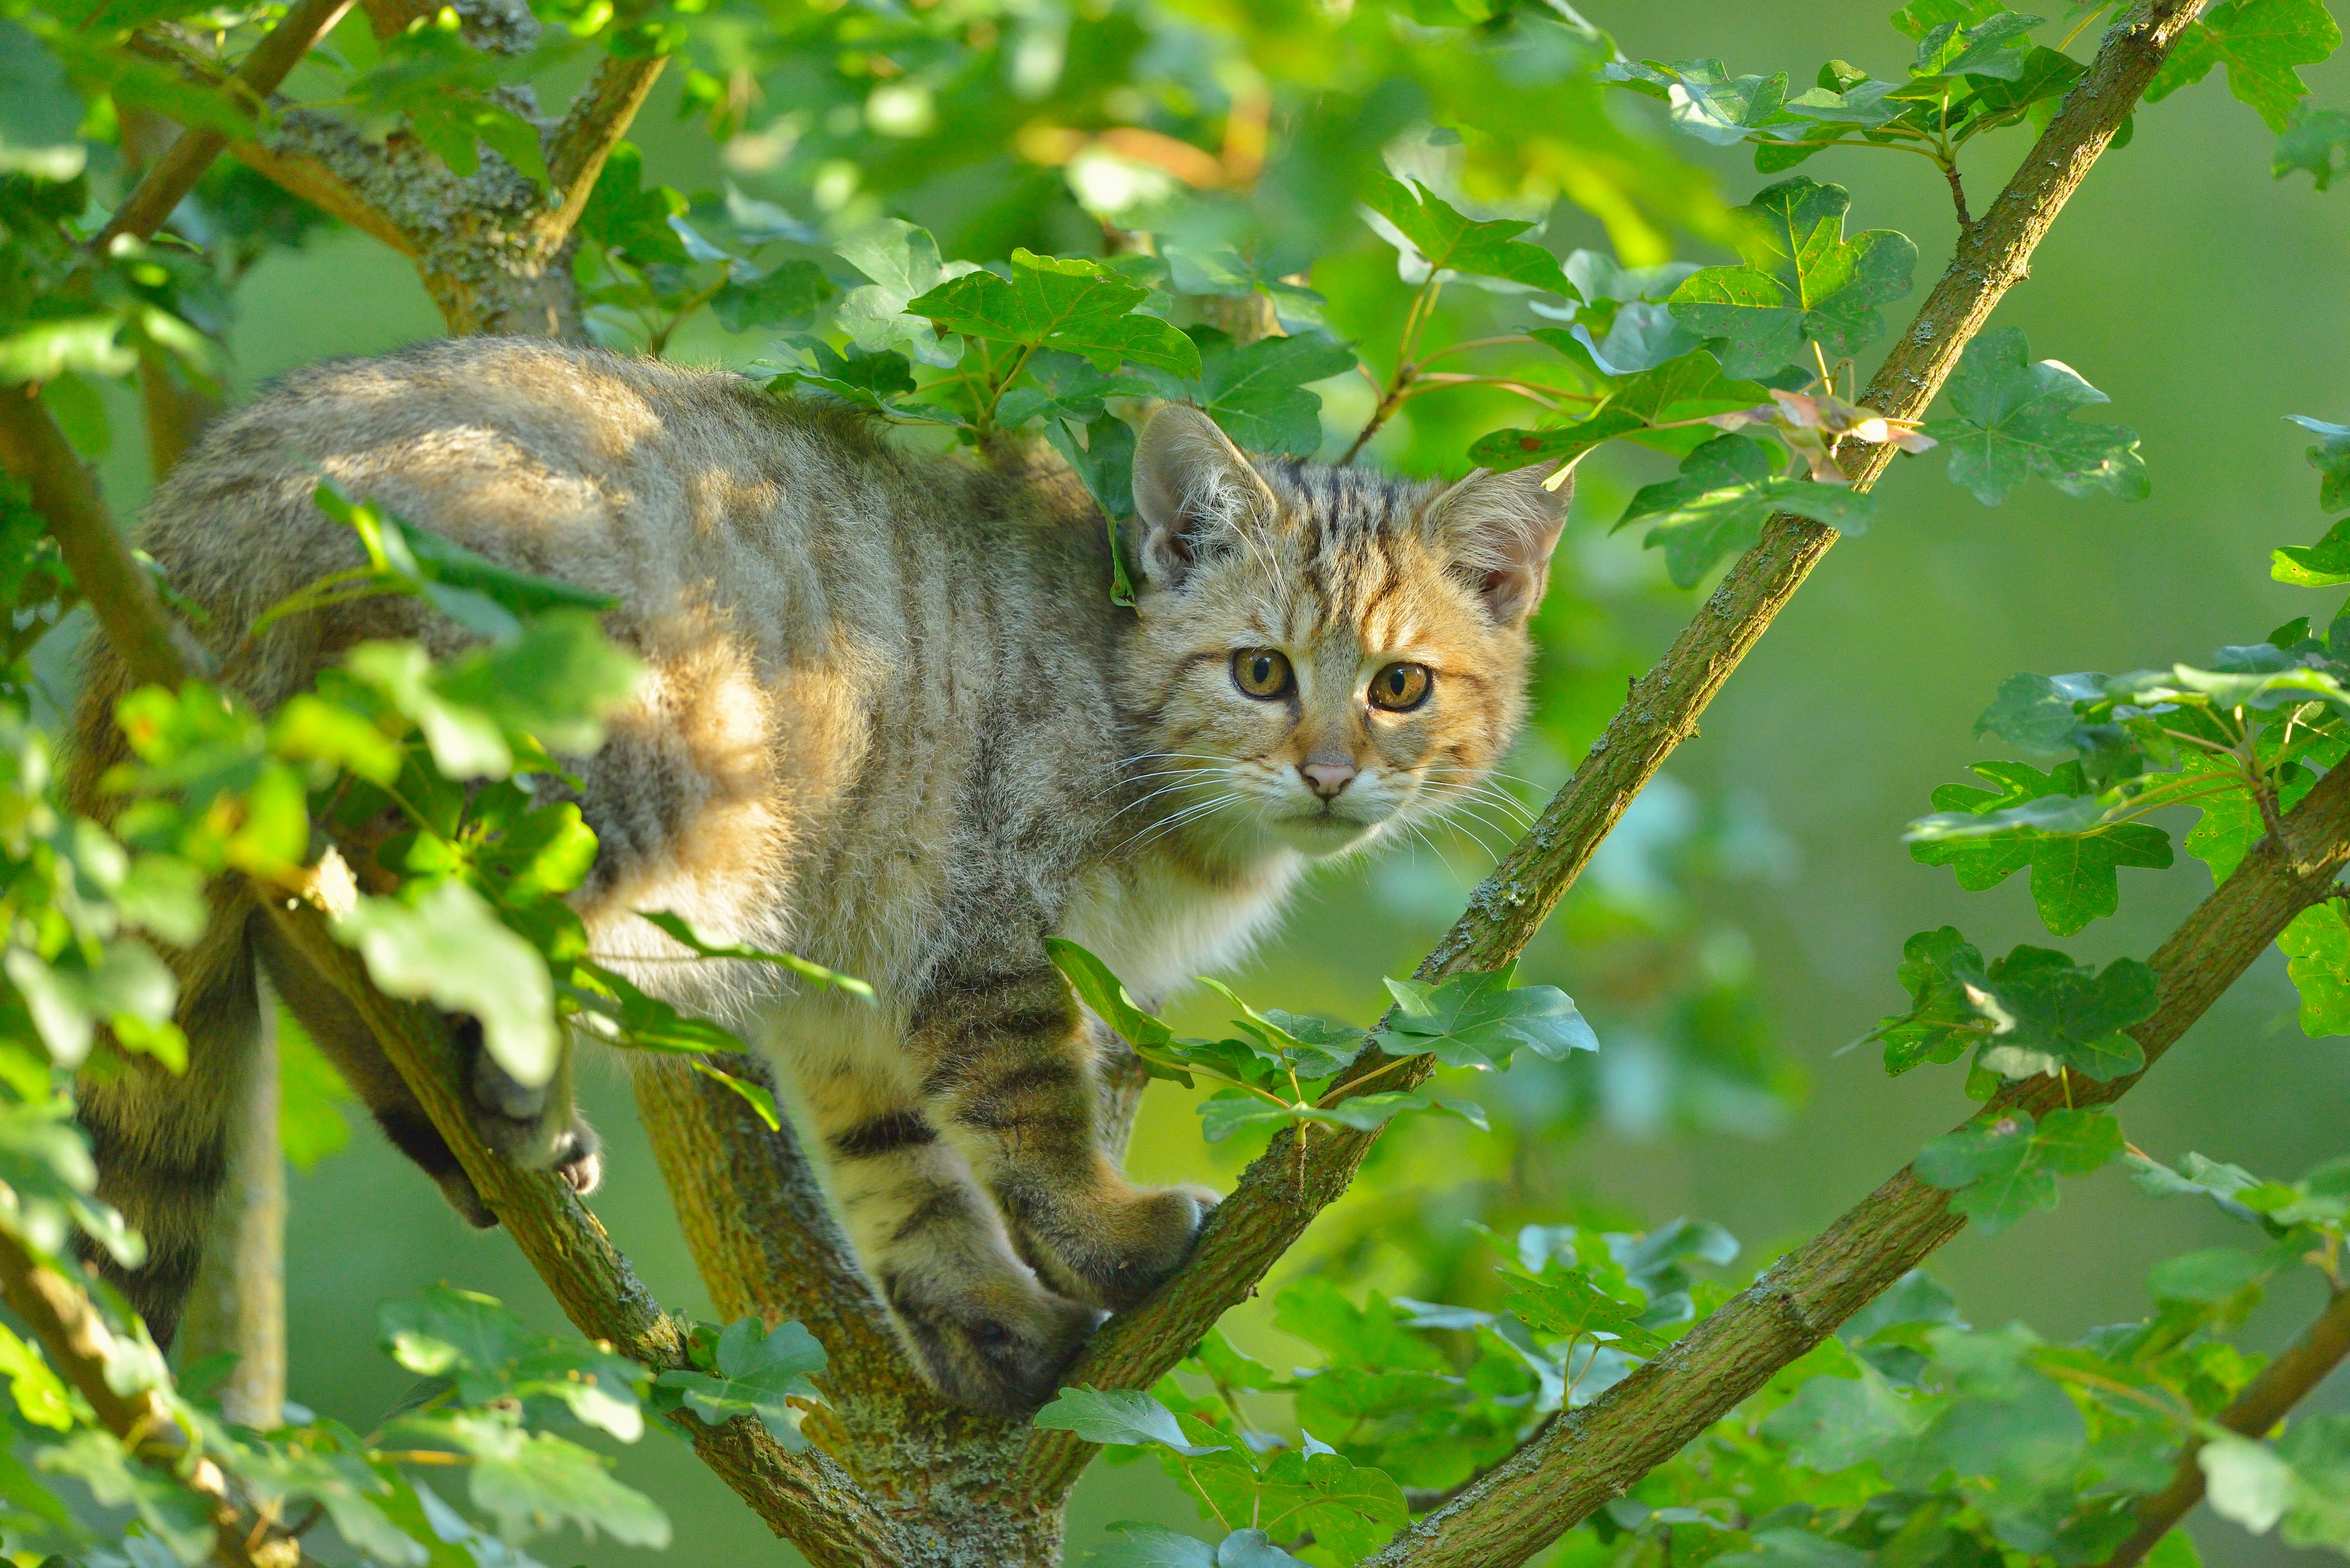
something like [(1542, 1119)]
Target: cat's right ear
[(1194, 488)]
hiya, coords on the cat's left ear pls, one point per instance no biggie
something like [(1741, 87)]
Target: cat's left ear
[(1502, 529)]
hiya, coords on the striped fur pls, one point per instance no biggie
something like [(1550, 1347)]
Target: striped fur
[(892, 722)]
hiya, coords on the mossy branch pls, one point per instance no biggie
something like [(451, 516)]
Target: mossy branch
[(246, 88), (1280, 1194), (1595, 1453)]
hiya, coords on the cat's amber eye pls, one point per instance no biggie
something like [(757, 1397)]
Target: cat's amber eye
[(1400, 688), (1261, 673)]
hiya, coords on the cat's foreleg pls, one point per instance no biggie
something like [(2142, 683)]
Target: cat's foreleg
[(986, 1333), (1008, 1064), (537, 1129)]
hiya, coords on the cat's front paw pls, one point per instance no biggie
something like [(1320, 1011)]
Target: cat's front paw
[(995, 1343), (1115, 1248), (536, 1128)]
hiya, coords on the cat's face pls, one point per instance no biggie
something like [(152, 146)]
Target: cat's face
[(1326, 656)]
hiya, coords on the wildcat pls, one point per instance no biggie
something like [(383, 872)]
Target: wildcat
[(889, 720)]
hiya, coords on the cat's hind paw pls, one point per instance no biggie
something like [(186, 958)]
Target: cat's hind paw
[(1115, 1249)]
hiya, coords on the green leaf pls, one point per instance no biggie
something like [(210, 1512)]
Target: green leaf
[(2317, 952), (1351, 1509), (1942, 1024), (1725, 493), (177, 1517), (903, 262), (2310, 139), (451, 950), (40, 1397), (2331, 458), (2073, 855), (289, 1476), (1101, 991), (534, 1482), (1565, 1302), (2261, 42), (758, 1372), (46, 350), (1256, 391), (2325, 564), (622, 213), (2049, 1014), (1221, 268), (2317, 1508), (675, 928), (1716, 107), (787, 295), (1446, 241), (2035, 712), (1255, 1549), (2245, 1481), (2013, 421), (1104, 462), (489, 1353), (2004, 1166), (127, 988), (1835, 1423), (1123, 1416), (1679, 392), (1075, 305), (1802, 281), (1480, 1019), (1150, 1546), (879, 381), (1993, 48)]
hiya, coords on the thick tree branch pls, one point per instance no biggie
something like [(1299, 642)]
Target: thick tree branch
[(81, 1347), (1595, 1453), (805, 1498), (2283, 1384), (248, 87), (64, 492), (1282, 1191)]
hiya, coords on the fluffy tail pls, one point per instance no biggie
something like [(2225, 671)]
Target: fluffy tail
[(161, 1141)]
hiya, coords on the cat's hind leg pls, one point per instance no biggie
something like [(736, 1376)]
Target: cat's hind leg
[(983, 1329), (1011, 1071)]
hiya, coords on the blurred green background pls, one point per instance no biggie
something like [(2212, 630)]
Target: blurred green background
[(2205, 299)]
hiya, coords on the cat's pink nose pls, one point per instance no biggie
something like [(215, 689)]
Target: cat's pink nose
[(1327, 779)]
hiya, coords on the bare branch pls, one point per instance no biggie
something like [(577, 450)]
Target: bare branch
[(1595, 1453), (2283, 1384), (1279, 1194), (595, 123), (64, 492), (248, 87)]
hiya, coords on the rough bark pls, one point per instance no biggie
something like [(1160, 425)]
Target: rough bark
[(238, 1305), (1280, 1194)]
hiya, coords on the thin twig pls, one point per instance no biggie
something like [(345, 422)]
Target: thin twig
[(247, 89)]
